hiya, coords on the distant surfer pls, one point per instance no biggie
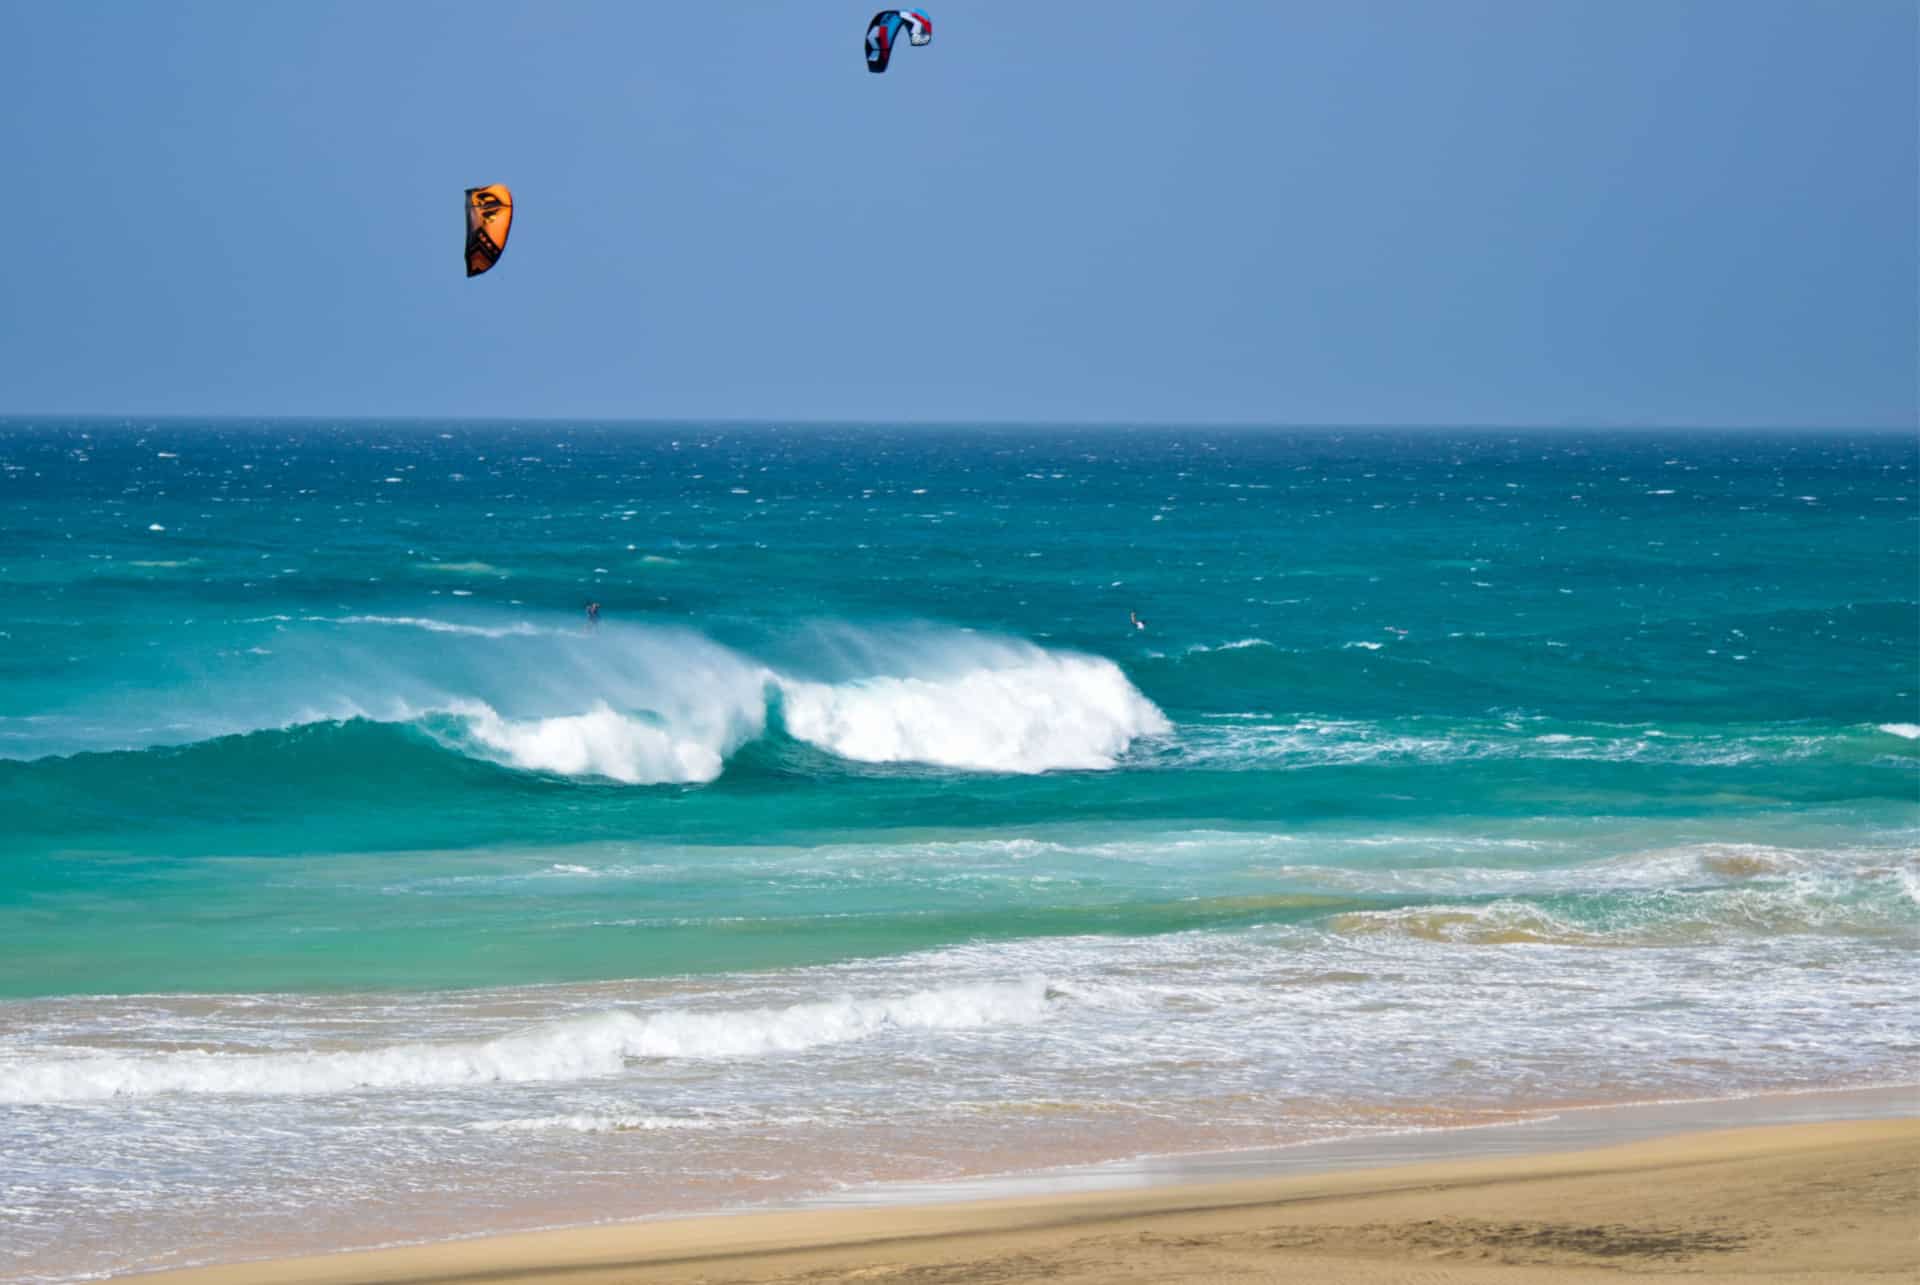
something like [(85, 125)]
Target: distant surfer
[(593, 615), (1137, 622)]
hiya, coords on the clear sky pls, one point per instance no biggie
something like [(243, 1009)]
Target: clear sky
[(1525, 211)]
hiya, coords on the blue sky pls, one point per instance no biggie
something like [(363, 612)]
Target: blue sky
[(1524, 212)]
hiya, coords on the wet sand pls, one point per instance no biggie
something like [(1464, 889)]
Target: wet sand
[(1810, 1201)]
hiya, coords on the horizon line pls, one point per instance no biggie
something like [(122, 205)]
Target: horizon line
[(129, 418)]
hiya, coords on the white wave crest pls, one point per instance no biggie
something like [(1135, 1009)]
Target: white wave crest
[(1239, 645), (603, 742), (517, 629), (575, 1049), (1035, 713), (964, 702)]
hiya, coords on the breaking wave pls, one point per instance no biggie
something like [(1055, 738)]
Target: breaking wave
[(1036, 713), (1043, 712), (644, 706), (604, 743), (573, 1049), (657, 705)]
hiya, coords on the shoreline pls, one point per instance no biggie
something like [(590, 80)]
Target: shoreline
[(1533, 1132), (1655, 1157)]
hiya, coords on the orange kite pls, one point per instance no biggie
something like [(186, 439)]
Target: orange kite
[(489, 218)]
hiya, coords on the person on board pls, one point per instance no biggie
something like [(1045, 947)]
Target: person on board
[(1137, 622), (593, 615)]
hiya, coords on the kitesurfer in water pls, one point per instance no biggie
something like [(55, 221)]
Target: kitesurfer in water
[(593, 615), (1135, 618)]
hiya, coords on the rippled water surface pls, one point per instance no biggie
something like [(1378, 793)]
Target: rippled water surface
[(1453, 776)]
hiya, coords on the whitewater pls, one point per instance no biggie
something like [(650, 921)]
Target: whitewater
[(1457, 778)]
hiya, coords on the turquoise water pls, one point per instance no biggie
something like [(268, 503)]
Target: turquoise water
[(1453, 772)]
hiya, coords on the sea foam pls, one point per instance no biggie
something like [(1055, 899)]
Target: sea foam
[(1038, 713), (574, 1049), (604, 743)]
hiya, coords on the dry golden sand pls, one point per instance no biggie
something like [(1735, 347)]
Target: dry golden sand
[(1804, 1202)]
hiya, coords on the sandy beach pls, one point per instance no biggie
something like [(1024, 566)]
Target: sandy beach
[(1794, 1202)]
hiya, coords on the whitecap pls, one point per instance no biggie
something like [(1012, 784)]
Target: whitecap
[(1239, 645), (517, 629), (599, 1044), (603, 742), (1033, 712)]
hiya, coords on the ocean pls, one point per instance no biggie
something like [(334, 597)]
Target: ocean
[(354, 889)]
